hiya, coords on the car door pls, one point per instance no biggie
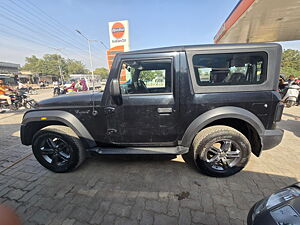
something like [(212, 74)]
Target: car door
[(147, 114)]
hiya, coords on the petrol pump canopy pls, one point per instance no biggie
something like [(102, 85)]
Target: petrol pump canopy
[(261, 21)]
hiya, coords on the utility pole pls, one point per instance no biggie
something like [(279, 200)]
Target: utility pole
[(90, 53), (59, 62)]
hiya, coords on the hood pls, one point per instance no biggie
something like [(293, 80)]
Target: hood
[(75, 100)]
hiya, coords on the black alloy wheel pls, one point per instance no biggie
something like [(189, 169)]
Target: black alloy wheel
[(59, 150), (55, 150)]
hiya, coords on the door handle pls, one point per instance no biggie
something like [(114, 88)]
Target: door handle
[(164, 110), (109, 110)]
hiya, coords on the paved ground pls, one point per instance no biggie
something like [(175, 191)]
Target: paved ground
[(139, 190)]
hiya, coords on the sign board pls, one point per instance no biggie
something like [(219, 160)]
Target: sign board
[(111, 53), (119, 34)]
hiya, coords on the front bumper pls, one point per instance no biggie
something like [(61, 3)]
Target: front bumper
[(271, 138), (25, 135)]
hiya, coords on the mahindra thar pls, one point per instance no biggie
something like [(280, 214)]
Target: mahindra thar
[(212, 104)]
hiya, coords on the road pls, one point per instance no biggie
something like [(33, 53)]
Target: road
[(139, 190)]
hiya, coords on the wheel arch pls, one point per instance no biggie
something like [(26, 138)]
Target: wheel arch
[(34, 121), (237, 118)]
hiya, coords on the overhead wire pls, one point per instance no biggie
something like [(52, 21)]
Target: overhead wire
[(61, 27), (56, 27), (28, 24), (42, 29), (27, 39), (29, 12), (41, 41), (8, 38)]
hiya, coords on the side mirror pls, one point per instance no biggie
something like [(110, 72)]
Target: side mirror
[(115, 88)]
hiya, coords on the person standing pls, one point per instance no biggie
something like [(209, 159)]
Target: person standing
[(83, 84), (291, 79), (56, 88)]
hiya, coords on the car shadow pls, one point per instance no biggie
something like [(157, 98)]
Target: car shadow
[(292, 125), (291, 115)]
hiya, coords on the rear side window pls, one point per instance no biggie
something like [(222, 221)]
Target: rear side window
[(230, 68)]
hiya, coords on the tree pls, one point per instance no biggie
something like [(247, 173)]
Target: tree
[(76, 67), (149, 75), (32, 64), (102, 72), (52, 63), (290, 63)]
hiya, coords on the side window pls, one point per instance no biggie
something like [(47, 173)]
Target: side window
[(146, 76), (230, 69)]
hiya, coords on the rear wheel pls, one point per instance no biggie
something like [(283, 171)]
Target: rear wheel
[(289, 103), (219, 151), (2, 108), (58, 149)]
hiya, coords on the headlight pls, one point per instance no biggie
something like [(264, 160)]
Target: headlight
[(276, 199), (285, 215)]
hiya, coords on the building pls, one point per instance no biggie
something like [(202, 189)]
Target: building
[(9, 68)]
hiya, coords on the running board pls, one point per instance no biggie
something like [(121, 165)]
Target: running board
[(140, 150)]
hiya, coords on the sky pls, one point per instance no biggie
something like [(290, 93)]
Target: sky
[(37, 27)]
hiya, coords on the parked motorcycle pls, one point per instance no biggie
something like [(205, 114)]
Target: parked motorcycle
[(62, 91), (58, 91), (19, 99), (26, 101), (290, 95), (29, 90)]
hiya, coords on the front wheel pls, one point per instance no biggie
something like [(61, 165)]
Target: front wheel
[(30, 104), (58, 149), (219, 151)]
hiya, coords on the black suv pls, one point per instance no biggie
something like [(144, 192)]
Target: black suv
[(213, 104)]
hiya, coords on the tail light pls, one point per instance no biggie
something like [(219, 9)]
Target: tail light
[(279, 110)]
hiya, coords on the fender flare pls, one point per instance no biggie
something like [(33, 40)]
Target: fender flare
[(61, 116), (220, 113)]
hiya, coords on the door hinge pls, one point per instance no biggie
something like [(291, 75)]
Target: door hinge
[(109, 110)]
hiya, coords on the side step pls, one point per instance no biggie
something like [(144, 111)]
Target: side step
[(140, 150)]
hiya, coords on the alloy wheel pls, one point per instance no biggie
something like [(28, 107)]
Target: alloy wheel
[(55, 151), (223, 154)]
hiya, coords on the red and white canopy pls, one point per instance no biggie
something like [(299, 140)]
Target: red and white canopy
[(261, 21)]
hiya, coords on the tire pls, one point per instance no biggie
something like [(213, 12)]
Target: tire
[(219, 151), (30, 104), (69, 153), (2, 108), (289, 103)]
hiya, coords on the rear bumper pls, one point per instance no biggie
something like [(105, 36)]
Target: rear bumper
[(271, 138)]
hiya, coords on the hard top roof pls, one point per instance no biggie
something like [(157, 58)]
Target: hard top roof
[(202, 47)]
